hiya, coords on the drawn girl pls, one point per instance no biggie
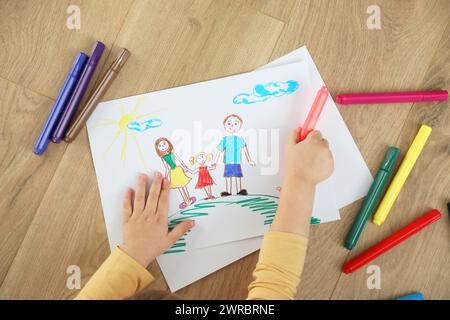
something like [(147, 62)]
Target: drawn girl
[(205, 180), (175, 173)]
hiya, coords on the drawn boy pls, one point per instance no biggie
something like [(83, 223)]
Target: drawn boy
[(231, 146)]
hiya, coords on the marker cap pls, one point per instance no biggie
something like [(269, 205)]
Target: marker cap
[(389, 159), (120, 61), (78, 64), (96, 53)]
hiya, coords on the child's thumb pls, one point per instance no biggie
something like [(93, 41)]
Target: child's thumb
[(180, 229)]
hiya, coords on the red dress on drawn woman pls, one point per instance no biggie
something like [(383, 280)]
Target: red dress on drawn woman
[(204, 178)]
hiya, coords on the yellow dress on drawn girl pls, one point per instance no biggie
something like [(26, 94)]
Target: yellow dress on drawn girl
[(178, 178)]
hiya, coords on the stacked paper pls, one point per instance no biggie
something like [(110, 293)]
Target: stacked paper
[(269, 102)]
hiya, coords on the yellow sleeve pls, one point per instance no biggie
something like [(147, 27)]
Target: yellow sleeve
[(277, 273), (119, 277)]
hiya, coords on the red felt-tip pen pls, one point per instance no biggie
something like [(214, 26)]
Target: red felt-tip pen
[(391, 241), (392, 97), (314, 113)]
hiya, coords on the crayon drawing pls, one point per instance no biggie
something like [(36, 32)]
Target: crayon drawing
[(231, 146), (175, 170), (144, 125), (264, 92), (220, 158), (205, 181)]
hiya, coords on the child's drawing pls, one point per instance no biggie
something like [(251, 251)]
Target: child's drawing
[(175, 173), (231, 146), (263, 92), (205, 181)]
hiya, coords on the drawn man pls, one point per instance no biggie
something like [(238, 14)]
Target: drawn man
[(231, 146)]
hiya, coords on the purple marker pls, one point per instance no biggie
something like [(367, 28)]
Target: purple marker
[(78, 92)]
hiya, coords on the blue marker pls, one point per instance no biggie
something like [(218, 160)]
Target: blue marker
[(60, 103), (413, 296)]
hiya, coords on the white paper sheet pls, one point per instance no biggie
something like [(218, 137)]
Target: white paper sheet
[(192, 118), (196, 264)]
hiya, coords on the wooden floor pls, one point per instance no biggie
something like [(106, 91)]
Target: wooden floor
[(50, 212)]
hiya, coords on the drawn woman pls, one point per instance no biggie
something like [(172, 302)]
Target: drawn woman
[(205, 180), (175, 173)]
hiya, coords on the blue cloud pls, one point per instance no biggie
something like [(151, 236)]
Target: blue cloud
[(264, 92), (144, 125)]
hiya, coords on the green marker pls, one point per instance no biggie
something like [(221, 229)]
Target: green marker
[(372, 197)]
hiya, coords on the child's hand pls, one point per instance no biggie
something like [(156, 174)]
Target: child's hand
[(307, 163), (145, 226), (310, 160)]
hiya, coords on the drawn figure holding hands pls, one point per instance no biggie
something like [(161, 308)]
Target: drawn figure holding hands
[(175, 173), (205, 180), (231, 146)]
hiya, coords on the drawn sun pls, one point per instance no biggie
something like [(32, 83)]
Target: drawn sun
[(128, 126)]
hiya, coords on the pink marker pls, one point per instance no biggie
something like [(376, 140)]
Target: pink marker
[(392, 97), (314, 113)]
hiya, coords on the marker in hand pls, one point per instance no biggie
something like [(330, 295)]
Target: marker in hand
[(314, 113)]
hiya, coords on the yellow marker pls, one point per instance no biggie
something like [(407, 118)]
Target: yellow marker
[(402, 174)]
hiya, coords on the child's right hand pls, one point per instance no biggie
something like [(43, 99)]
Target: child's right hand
[(310, 160), (307, 163)]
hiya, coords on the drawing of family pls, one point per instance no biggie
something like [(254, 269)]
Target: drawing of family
[(230, 145)]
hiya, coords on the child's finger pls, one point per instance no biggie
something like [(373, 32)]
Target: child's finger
[(315, 135), (180, 229), (163, 202), (153, 195), (139, 198), (293, 137), (127, 207)]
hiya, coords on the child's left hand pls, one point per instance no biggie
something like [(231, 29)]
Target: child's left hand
[(145, 226)]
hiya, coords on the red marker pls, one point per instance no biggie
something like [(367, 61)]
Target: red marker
[(391, 241), (314, 113), (392, 97)]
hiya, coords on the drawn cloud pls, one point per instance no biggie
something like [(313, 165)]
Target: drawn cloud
[(264, 92), (145, 125)]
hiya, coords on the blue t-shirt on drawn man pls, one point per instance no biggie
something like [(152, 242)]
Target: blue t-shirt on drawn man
[(231, 146)]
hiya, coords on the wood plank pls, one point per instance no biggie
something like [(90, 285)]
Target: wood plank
[(24, 176), (421, 263), (272, 8), (37, 46), (67, 229), (172, 43), (190, 41)]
